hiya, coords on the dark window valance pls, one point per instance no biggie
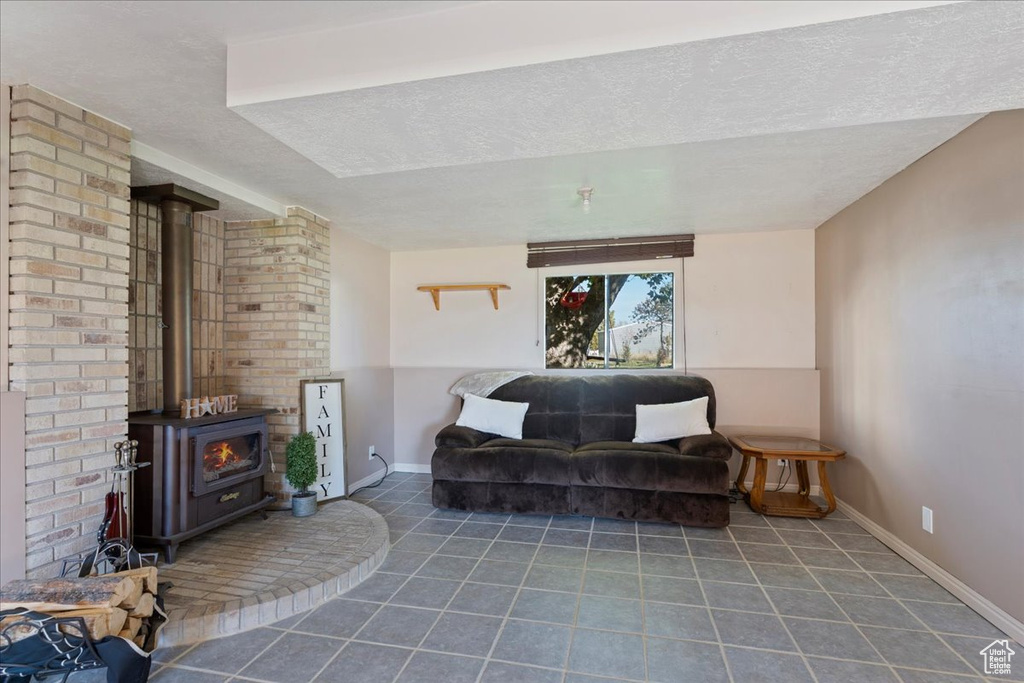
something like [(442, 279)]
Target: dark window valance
[(577, 252)]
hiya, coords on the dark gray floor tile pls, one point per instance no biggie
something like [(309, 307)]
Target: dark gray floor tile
[(286, 624), (572, 522), (752, 630), (465, 547), (377, 588), (171, 674), (404, 518), (801, 603), (766, 667), (530, 520), (613, 561), (854, 583), (791, 523), (970, 649), (521, 534), (831, 525), (664, 545), (481, 598), (958, 619), (607, 654), (775, 554), (739, 517), (667, 565), (678, 591), (612, 614), (365, 662), (743, 534), (622, 542), (566, 537), (296, 657), (498, 672), (877, 611), (504, 573), (339, 618), (784, 576), (562, 557), (422, 499), (612, 584), (165, 655), (835, 671), (463, 634), (382, 507), (398, 562), (658, 529), (707, 533), (395, 496), (231, 653), (723, 570), (614, 526), (477, 530), (736, 596), (719, 550), (915, 676), (670, 661), (829, 639), (532, 643), (447, 567), (825, 559), (877, 562), (914, 588), (914, 649), (420, 592), (490, 517), (554, 578), (511, 552), (440, 527), (442, 513), (419, 543), (394, 625), (678, 621), (861, 543), (538, 605), (805, 539)]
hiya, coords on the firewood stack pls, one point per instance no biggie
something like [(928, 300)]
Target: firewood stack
[(120, 604)]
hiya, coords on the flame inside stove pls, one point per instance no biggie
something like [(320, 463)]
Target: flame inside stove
[(219, 455)]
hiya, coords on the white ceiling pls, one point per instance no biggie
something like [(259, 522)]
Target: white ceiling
[(769, 130)]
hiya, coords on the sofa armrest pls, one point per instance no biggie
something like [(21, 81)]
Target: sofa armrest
[(454, 436), (712, 445)]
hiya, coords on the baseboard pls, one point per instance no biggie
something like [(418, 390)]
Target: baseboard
[(814, 489), (414, 468), (970, 597), (366, 481)]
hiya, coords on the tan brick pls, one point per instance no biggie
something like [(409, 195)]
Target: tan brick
[(31, 110), (76, 160), (32, 180), (108, 126), (30, 145), (28, 214), (48, 268), (30, 319), (80, 193), (46, 134), (111, 217), (50, 438), (49, 472), (105, 308), (79, 417), (34, 301), (117, 429), (80, 289), (44, 200), (119, 175), (116, 189), (46, 167), (26, 285), (108, 157), (82, 131), (79, 355), (34, 94)]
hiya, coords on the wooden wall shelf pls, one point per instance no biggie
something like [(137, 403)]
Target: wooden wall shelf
[(435, 291)]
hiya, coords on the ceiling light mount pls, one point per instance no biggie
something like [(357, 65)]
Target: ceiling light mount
[(585, 193)]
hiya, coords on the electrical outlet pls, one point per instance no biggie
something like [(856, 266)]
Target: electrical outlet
[(926, 519), (373, 449), (783, 463)]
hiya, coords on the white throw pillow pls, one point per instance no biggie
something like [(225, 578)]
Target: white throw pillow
[(667, 421), (504, 418)]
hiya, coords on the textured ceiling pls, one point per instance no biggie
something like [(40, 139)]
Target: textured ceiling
[(765, 131), (231, 208), (892, 67)]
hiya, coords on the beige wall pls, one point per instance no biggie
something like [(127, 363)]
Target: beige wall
[(920, 321), (12, 486), (360, 349)]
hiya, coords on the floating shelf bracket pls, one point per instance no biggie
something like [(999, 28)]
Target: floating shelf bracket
[(435, 291)]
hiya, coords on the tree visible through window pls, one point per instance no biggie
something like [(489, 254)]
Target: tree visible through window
[(613, 321)]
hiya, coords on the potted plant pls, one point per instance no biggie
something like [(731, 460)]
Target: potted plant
[(301, 472)]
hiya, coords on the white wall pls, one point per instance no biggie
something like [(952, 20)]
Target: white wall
[(360, 336), (749, 310)]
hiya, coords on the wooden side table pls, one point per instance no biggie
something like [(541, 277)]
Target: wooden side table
[(801, 451)]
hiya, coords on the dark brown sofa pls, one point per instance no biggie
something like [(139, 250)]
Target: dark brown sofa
[(577, 456)]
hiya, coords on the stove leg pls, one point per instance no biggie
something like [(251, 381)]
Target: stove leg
[(170, 550), (263, 514)]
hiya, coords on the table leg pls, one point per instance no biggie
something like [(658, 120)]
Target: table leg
[(742, 476), (826, 490), (757, 493), (802, 477)]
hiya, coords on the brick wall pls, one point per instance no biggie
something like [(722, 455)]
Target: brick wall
[(68, 313), (145, 343), (276, 309)]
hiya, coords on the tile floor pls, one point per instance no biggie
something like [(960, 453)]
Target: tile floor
[(483, 598)]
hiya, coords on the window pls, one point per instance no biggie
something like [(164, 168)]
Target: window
[(609, 321)]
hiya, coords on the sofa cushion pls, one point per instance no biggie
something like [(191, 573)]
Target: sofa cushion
[(508, 464), (530, 443), (629, 446), (657, 471), (712, 445)]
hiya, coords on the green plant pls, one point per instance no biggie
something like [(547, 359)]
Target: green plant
[(301, 461)]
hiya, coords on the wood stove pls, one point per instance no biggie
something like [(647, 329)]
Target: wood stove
[(206, 471)]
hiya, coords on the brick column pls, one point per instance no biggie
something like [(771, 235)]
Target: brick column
[(69, 293), (276, 289)]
